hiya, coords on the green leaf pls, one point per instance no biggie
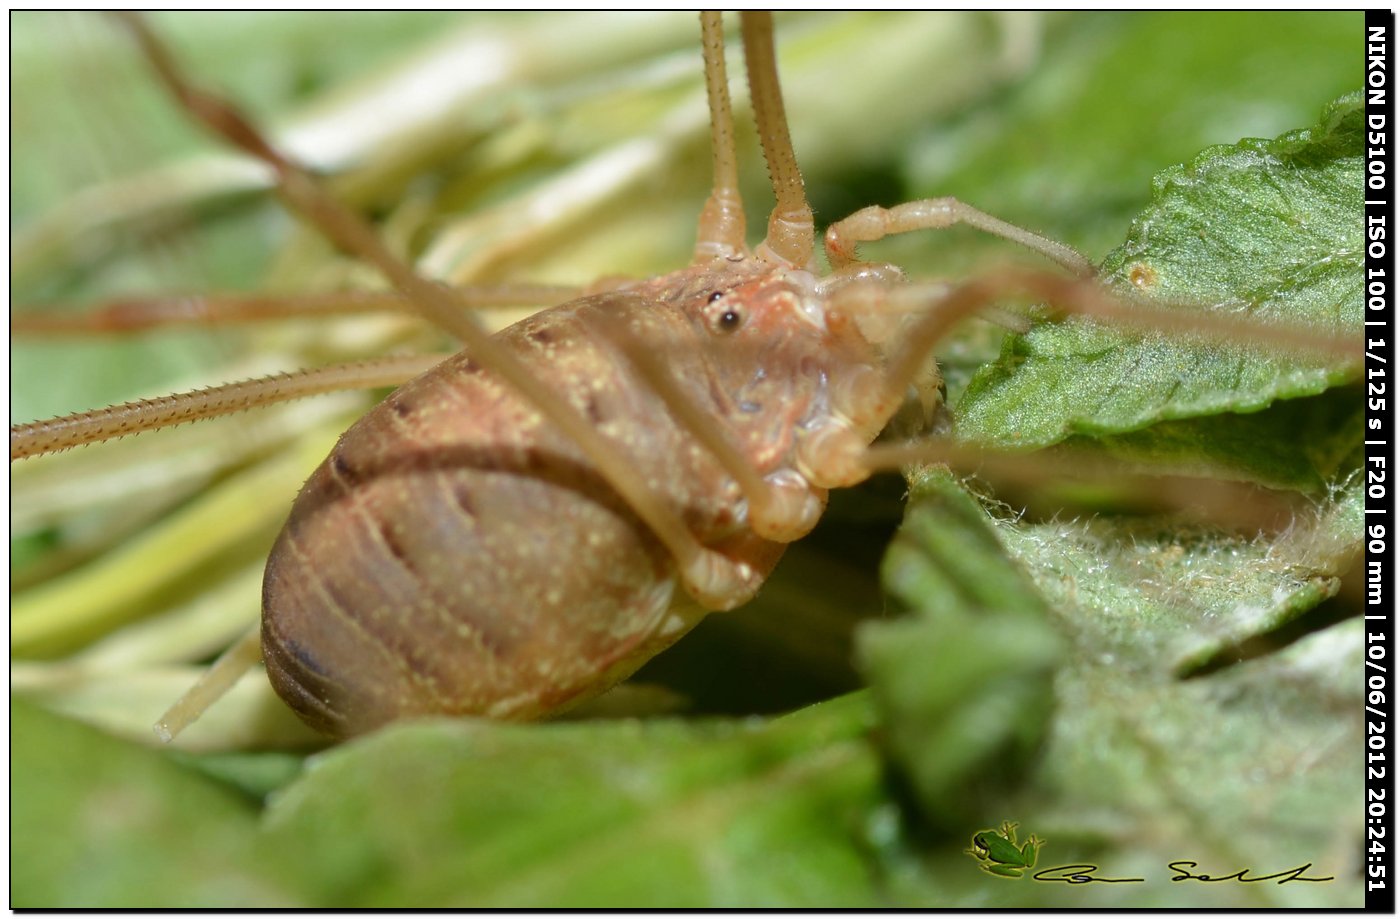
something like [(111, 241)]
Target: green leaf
[(1298, 444), (964, 684), (1265, 228), (100, 823), (1070, 151), (1187, 723), (256, 775), (655, 814)]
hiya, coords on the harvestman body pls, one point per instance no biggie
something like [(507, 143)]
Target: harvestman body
[(525, 524)]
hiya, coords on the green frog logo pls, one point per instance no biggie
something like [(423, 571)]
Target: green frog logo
[(999, 853)]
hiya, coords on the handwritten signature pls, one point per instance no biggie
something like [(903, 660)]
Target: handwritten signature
[(1087, 874)]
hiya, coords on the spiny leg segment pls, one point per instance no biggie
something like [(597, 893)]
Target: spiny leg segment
[(790, 228), (57, 434), (722, 226)]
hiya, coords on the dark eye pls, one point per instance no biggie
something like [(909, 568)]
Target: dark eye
[(715, 296), (730, 320)]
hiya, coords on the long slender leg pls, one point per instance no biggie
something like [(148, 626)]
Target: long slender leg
[(722, 228), (212, 686), (872, 223), (56, 434), (139, 314), (1238, 505), (1088, 298), (708, 576), (790, 228), (836, 457)]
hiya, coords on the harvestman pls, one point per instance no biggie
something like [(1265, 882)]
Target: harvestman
[(678, 431)]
